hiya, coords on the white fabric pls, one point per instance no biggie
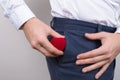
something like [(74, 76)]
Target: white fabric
[(16, 11), (106, 12)]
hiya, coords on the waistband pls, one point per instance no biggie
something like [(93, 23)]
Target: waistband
[(71, 24)]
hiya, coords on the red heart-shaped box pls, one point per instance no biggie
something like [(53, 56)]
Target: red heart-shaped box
[(59, 43)]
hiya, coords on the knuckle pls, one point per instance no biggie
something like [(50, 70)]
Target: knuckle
[(106, 50), (93, 60), (40, 40), (33, 44), (99, 65), (51, 51), (47, 55), (50, 30), (90, 68), (108, 56), (91, 54), (88, 54)]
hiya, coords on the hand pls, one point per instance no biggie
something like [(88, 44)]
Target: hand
[(37, 32), (102, 56)]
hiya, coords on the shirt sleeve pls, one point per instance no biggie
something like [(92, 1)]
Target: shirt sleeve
[(16, 11), (118, 30)]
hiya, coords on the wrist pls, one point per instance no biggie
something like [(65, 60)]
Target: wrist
[(25, 25)]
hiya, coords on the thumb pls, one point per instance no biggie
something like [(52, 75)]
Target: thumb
[(55, 34), (95, 36)]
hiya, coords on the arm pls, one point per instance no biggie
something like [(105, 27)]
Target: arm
[(35, 30), (16, 11)]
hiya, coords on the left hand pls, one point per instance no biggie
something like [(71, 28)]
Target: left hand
[(102, 56)]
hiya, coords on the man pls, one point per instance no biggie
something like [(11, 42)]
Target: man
[(91, 44)]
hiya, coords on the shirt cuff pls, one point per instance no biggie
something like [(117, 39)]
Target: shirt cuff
[(20, 15), (118, 30)]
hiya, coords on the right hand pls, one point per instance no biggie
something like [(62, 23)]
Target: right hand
[(37, 32)]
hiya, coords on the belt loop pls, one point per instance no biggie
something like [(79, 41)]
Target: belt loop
[(99, 27), (52, 23)]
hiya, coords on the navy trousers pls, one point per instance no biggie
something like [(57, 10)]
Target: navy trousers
[(64, 67)]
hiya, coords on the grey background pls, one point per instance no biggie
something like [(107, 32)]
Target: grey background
[(18, 61)]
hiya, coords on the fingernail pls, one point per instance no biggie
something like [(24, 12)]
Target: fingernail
[(61, 53), (78, 57), (84, 70), (97, 77), (77, 62), (87, 34)]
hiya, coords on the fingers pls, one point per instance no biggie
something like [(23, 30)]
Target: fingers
[(91, 60), (55, 34), (94, 66), (44, 51), (95, 36), (103, 69), (48, 48), (90, 54), (43, 45)]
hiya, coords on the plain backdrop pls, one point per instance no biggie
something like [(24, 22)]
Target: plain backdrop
[(18, 61)]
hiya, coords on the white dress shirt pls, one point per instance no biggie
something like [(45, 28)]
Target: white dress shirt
[(106, 12)]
